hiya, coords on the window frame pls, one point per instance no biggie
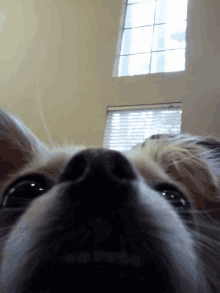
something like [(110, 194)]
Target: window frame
[(119, 45)]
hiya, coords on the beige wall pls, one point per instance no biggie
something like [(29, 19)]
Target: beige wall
[(58, 55)]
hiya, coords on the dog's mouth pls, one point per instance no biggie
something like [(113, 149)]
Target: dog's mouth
[(116, 267), (105, 270), (111, 277), (99, 257)]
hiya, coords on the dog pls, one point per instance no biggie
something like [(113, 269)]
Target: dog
[(79, 219)]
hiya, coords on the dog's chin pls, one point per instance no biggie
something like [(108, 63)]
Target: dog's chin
[(119, 273), (101, 277)]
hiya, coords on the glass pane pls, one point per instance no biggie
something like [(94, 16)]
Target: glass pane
[(169, 36), (134, 64), (171, 10), (137, 40), (168, 61), (140, 15)]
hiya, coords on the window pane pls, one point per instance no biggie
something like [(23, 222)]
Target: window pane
[(169, 36), (140, 15), (134, 64), (137, 40), (127, 127), (162, 122), (171, 10), (168, 61)]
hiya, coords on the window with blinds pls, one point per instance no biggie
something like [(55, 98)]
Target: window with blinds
[(153, 38), (130, 125)]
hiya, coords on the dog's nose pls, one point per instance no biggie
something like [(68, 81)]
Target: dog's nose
[(99, 179), (98, 163)]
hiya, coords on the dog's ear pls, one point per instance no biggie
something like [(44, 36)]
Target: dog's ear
[(187, 160), (18, 145), (187, 163)]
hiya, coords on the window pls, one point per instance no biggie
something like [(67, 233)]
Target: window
[(130, 125), (153, 38)]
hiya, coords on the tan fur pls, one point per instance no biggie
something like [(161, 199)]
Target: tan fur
[(186, 163)]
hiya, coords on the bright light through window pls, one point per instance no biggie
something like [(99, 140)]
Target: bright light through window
[(153, 37)]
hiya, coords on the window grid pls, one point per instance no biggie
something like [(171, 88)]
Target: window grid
[(180, 51), (127, 126)]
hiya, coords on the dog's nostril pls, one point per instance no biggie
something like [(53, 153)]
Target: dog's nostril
[(119, 166), (98, 162), (76, 168)]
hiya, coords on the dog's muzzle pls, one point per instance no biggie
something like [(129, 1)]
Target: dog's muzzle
[(100, 227)]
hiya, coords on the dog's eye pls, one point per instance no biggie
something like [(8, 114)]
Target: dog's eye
[(175, 198), (22, 192), (173, 195)]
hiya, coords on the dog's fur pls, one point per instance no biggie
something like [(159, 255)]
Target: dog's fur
[(93, 219)]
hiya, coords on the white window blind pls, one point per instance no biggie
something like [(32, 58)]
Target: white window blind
[(130, 125), (153, 38)]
